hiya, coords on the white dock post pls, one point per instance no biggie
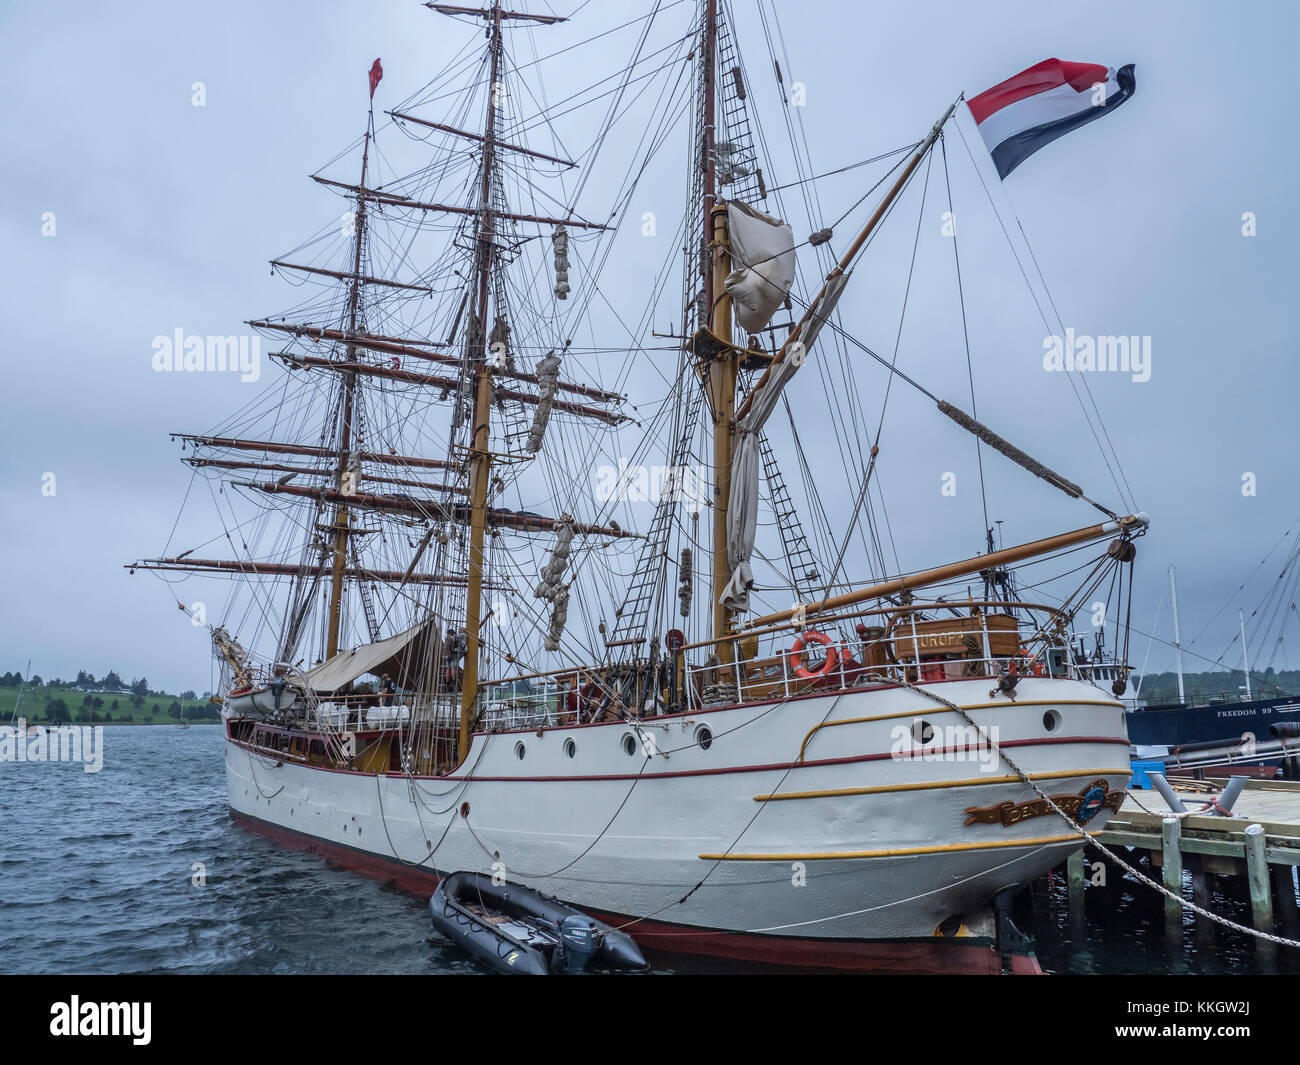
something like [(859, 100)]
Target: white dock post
[(1261, 898), (1172, 872)]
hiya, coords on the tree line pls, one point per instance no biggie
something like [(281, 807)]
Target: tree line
[(1267, 684), (138, 689)]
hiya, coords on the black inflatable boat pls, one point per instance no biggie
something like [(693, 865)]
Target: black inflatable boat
[(518, 930)]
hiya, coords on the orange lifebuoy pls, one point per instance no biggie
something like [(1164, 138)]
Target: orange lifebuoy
[(796, 655)]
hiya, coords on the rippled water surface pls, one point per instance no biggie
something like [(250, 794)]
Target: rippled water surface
[(97, 870), (96, 876)]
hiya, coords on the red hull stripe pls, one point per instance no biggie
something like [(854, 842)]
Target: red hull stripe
[(930, 955), (1039, 78), (920, 755)]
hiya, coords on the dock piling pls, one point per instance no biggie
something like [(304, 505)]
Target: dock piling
[(1261, 898), (1172, 871), (1284, 899)]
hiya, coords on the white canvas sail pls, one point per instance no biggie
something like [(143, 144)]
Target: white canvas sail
[(742, 516), (382, 656), (763, 260)]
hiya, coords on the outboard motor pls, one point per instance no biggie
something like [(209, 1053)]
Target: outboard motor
[(579, 942)]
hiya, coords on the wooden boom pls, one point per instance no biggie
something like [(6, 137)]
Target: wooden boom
[(962, 569)]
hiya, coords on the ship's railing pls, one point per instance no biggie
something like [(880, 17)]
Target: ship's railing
[(1203, 699), (364, 713), (919, 643), (538, 710), (913, 646), (840, 664)]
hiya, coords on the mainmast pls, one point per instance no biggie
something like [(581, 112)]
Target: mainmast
[(480, 437), (342, 526), (480, 442), (347, 479)]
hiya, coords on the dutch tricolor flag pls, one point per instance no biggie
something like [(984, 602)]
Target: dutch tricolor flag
[(1023, 113)]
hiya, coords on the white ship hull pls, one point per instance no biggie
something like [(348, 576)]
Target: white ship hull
[(865, 849)]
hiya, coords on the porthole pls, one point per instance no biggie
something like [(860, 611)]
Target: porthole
[(922, 731), (1052, 720), (570, 748), (630, 745), (704, 737), (520, 750)]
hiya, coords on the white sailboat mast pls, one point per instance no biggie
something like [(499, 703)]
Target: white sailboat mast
[(1178, 642), (1245, 659)]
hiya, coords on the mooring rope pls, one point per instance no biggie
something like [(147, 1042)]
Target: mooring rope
[(1076, 827)]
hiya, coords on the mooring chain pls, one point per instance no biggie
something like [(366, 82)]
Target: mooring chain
[(1257, 933)]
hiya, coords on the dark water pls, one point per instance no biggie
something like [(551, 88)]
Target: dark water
[(96, 870), (1123, 931), (96, 876)]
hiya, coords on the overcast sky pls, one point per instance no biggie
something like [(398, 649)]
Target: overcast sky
[(166, 214)]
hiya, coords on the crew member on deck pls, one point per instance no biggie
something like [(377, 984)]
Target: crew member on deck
[(388, 689)]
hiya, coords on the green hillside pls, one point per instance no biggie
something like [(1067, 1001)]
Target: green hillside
[(52, 704)]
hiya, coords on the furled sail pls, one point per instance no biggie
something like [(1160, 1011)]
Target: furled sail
[(762, 256), (548, 377), (552, 587), (742, 515)]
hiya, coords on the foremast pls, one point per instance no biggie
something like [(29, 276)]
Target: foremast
[(337, 485), (342, 525)]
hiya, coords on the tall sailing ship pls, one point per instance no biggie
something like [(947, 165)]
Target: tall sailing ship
[(729, 729)]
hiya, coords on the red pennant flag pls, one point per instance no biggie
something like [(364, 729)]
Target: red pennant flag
[(376, 76)]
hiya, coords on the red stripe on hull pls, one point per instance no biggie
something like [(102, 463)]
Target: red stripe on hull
[(917, 755), (937, 955)]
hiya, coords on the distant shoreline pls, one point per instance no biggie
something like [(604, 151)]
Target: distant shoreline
[(35, 703)]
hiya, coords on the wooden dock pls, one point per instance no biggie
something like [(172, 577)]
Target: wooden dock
[(1259, 841)]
